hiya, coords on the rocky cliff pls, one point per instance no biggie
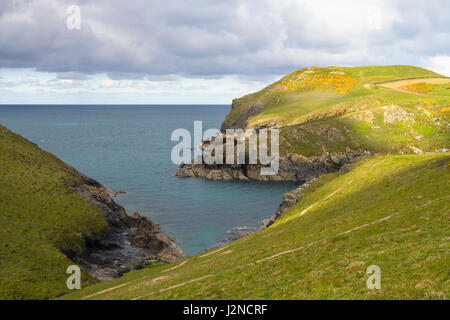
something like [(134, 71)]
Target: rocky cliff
[(132, 242)]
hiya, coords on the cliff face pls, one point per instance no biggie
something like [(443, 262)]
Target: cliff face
[(130, 243), (240, 113)]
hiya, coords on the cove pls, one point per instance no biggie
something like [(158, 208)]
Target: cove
[(128, 148)]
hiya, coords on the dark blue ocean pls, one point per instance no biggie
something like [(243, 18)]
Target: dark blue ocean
[(128, 148)]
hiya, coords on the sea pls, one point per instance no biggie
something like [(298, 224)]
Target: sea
[(128, 148)]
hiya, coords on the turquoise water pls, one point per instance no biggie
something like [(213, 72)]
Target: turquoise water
[(128, 148)]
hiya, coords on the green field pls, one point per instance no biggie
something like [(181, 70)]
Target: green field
[(391, 211), (40, 216)]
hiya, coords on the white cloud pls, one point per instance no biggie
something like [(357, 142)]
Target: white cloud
[(175, 89), (108, 83), (440, 64)]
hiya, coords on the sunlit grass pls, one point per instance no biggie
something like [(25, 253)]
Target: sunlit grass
[(411, 247)]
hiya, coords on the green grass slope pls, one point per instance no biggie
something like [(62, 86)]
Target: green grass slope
[(333, 108), (390, 211), (39, 217)]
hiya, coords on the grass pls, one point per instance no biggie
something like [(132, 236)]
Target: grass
[(375, 74), (411, 245), (40, 216)]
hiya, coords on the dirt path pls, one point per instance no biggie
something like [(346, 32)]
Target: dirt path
[(212, 252), (104, 291), (177, 266), (396, 85), (175, 286), (324, 199), (279, 254)]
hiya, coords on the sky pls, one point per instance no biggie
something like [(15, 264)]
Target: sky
[(202, 51)]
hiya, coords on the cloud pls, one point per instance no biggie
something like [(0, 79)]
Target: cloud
[(201, 38), (71, 75), (108, 83), (440, 64)]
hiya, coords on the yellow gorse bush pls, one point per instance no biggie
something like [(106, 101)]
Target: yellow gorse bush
[(445, 111), (433, 108), (421, 87), (321, 79)]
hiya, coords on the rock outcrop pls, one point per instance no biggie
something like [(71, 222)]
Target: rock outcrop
[(131, 243), (394, 113), (291, 168)]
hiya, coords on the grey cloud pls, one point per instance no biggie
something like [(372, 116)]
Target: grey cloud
[(71, 75), (159, 40)]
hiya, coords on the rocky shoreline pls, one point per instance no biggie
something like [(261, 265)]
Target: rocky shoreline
[(133, 241), (291, 168)]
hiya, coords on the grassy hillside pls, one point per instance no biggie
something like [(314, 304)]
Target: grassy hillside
[(331, 109), (391, 211), (39, 217)]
